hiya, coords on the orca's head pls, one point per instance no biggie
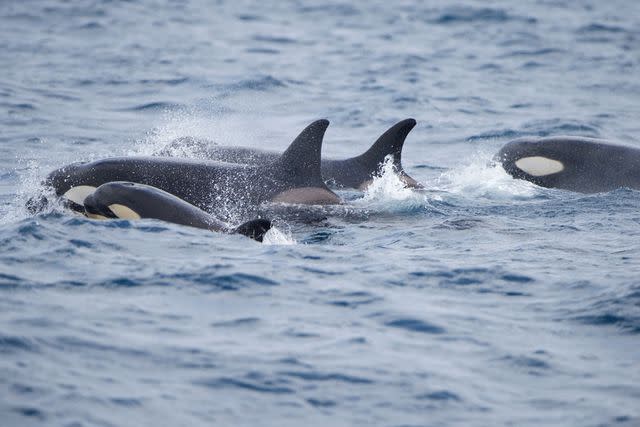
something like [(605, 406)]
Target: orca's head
[(544, 161), (115, 200)]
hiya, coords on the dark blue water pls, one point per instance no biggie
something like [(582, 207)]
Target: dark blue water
[(482, 301)]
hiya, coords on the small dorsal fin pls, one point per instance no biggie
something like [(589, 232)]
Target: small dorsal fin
[(302, 158), (390, 142)]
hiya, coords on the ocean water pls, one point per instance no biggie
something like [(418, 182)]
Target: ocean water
[(479, 301)]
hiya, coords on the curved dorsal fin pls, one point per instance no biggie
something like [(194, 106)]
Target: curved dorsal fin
[(302, 158), (390, 142)]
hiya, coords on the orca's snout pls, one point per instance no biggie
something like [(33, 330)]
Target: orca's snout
[(254, 229), (512, 152), (93, 208)]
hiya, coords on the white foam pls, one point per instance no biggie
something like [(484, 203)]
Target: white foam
[(277, 237), (387, 192), (481, 177)]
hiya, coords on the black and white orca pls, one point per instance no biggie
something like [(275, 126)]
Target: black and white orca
[(580, 164), (293, 177), (355, 172)]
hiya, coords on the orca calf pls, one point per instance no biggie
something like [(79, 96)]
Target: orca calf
[(356, 172), (580, 164), (128, 200), (293, 177)]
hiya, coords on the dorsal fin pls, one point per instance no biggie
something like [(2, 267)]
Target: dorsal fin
[(302, 158), (390, 142)]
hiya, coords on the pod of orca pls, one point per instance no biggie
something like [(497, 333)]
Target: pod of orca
[(193, 192)]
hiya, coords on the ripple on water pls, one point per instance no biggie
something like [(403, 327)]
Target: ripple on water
[(626, 323), (9, 280), (209, 281), (251, 382), (241, 322), (413, 324), (155, 106), (440, 395), (531, 365), (259, 84), (474, 275), (316, 376), (30, 412), (274, 39), (600, 28), (466, 14), (354, 299), (460, 224), (619, 311), (10, 344)]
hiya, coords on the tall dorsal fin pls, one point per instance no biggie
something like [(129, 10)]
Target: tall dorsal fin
[(390, 142), (302, 158)]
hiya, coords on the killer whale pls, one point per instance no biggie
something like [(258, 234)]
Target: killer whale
[(128, 200), (580, 164), (215, 187), (355, 172)]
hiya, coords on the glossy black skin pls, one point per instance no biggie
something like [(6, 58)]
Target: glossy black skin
[(209, 185), (354, 172), (151, 202), (590, 165)]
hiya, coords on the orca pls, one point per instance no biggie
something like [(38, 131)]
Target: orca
[(128, 200), (355, 172), (580, 164), (216, 187)]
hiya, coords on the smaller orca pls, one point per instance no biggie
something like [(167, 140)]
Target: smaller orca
[(128, 200), (584, 165), (355, 172)]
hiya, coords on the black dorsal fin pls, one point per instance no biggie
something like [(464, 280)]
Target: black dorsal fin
[(390, 142), (302, 159)]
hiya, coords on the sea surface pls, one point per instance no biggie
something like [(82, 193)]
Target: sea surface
[(480, 301)]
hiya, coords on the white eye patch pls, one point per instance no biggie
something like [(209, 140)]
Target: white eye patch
[(123, 212), (539, 166), (79, 193)]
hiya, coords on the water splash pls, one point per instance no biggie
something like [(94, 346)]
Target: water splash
[(278, 237), (388, 193), (482, 177), (173, 125), (29, 186), (185, 131)]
